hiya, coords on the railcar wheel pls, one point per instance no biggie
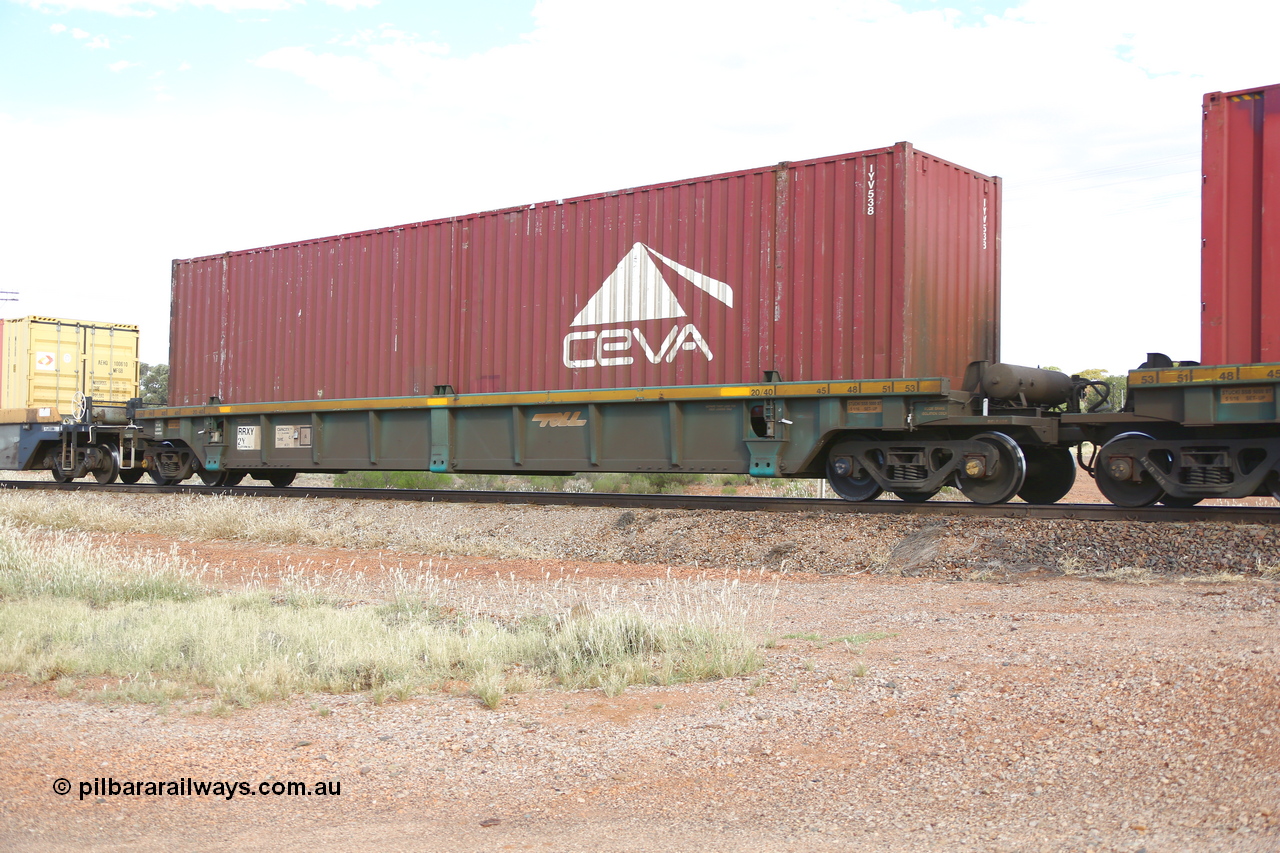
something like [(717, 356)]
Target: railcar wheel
[(864, 488), (1007, 477), (1273, 484), (130, 476), (1115, 478), (281, 479), (213, 478), (233, 478), (915, 497), (107, 473), (1051, 472), (1181, 503), (160, 479)]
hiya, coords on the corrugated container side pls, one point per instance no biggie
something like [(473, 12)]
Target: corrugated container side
[(47, 360), (1240, 264), (110, 362), (875, 264)]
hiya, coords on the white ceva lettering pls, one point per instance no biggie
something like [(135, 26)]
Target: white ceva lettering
[(666, 345), (686, 338)]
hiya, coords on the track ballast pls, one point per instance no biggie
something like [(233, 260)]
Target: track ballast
[(1082, 512)]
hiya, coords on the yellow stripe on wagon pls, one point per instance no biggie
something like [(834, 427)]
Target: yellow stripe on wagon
[(1218, 373), (841, 389), (557, 398)]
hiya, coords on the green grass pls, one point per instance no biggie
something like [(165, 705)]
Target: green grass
[(635, 483), (652, 483), (395, 480), (70, 610), (849, 640), (477, 482)]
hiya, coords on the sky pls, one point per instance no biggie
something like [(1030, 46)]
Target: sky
[(134, 132)]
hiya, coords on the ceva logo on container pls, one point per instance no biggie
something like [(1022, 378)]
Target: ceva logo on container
[(634, 292)]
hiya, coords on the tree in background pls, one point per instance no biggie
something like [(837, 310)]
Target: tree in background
[(153, 384), (1119, 387)]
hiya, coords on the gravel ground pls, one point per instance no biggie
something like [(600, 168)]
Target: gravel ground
[(1020, 697), (774, 542)]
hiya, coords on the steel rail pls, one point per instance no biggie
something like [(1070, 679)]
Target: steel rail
[(1079, 512)]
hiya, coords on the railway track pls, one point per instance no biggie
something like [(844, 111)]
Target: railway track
[(1082, 512)]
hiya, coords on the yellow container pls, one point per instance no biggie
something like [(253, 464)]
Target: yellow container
[(46, 360)]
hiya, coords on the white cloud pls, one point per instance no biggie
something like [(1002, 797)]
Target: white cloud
[(93, 42), (344, 77), (123, 65), (379, 65)]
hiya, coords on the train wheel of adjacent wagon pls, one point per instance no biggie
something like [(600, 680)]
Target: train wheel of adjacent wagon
[(1051, 472), (213, 478), (1272, 484), (863, 488), (1115, 477), (1005, 479), (233, 478), (107, 471), (130, 476), (160, 479), (281, 479), (915, 497)]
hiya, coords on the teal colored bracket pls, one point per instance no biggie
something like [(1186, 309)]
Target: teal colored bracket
[(764, 457), (441, 440)]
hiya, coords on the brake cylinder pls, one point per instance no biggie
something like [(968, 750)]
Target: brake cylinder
[(1037, 387)]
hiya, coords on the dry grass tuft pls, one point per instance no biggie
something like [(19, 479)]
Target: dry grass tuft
[(286, 521), (71, 610)]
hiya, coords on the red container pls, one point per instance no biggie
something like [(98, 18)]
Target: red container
[(1240, 264), (882, 263)]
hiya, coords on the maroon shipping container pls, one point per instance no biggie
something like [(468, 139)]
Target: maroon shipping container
[(882, 263), (1240, 265)]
